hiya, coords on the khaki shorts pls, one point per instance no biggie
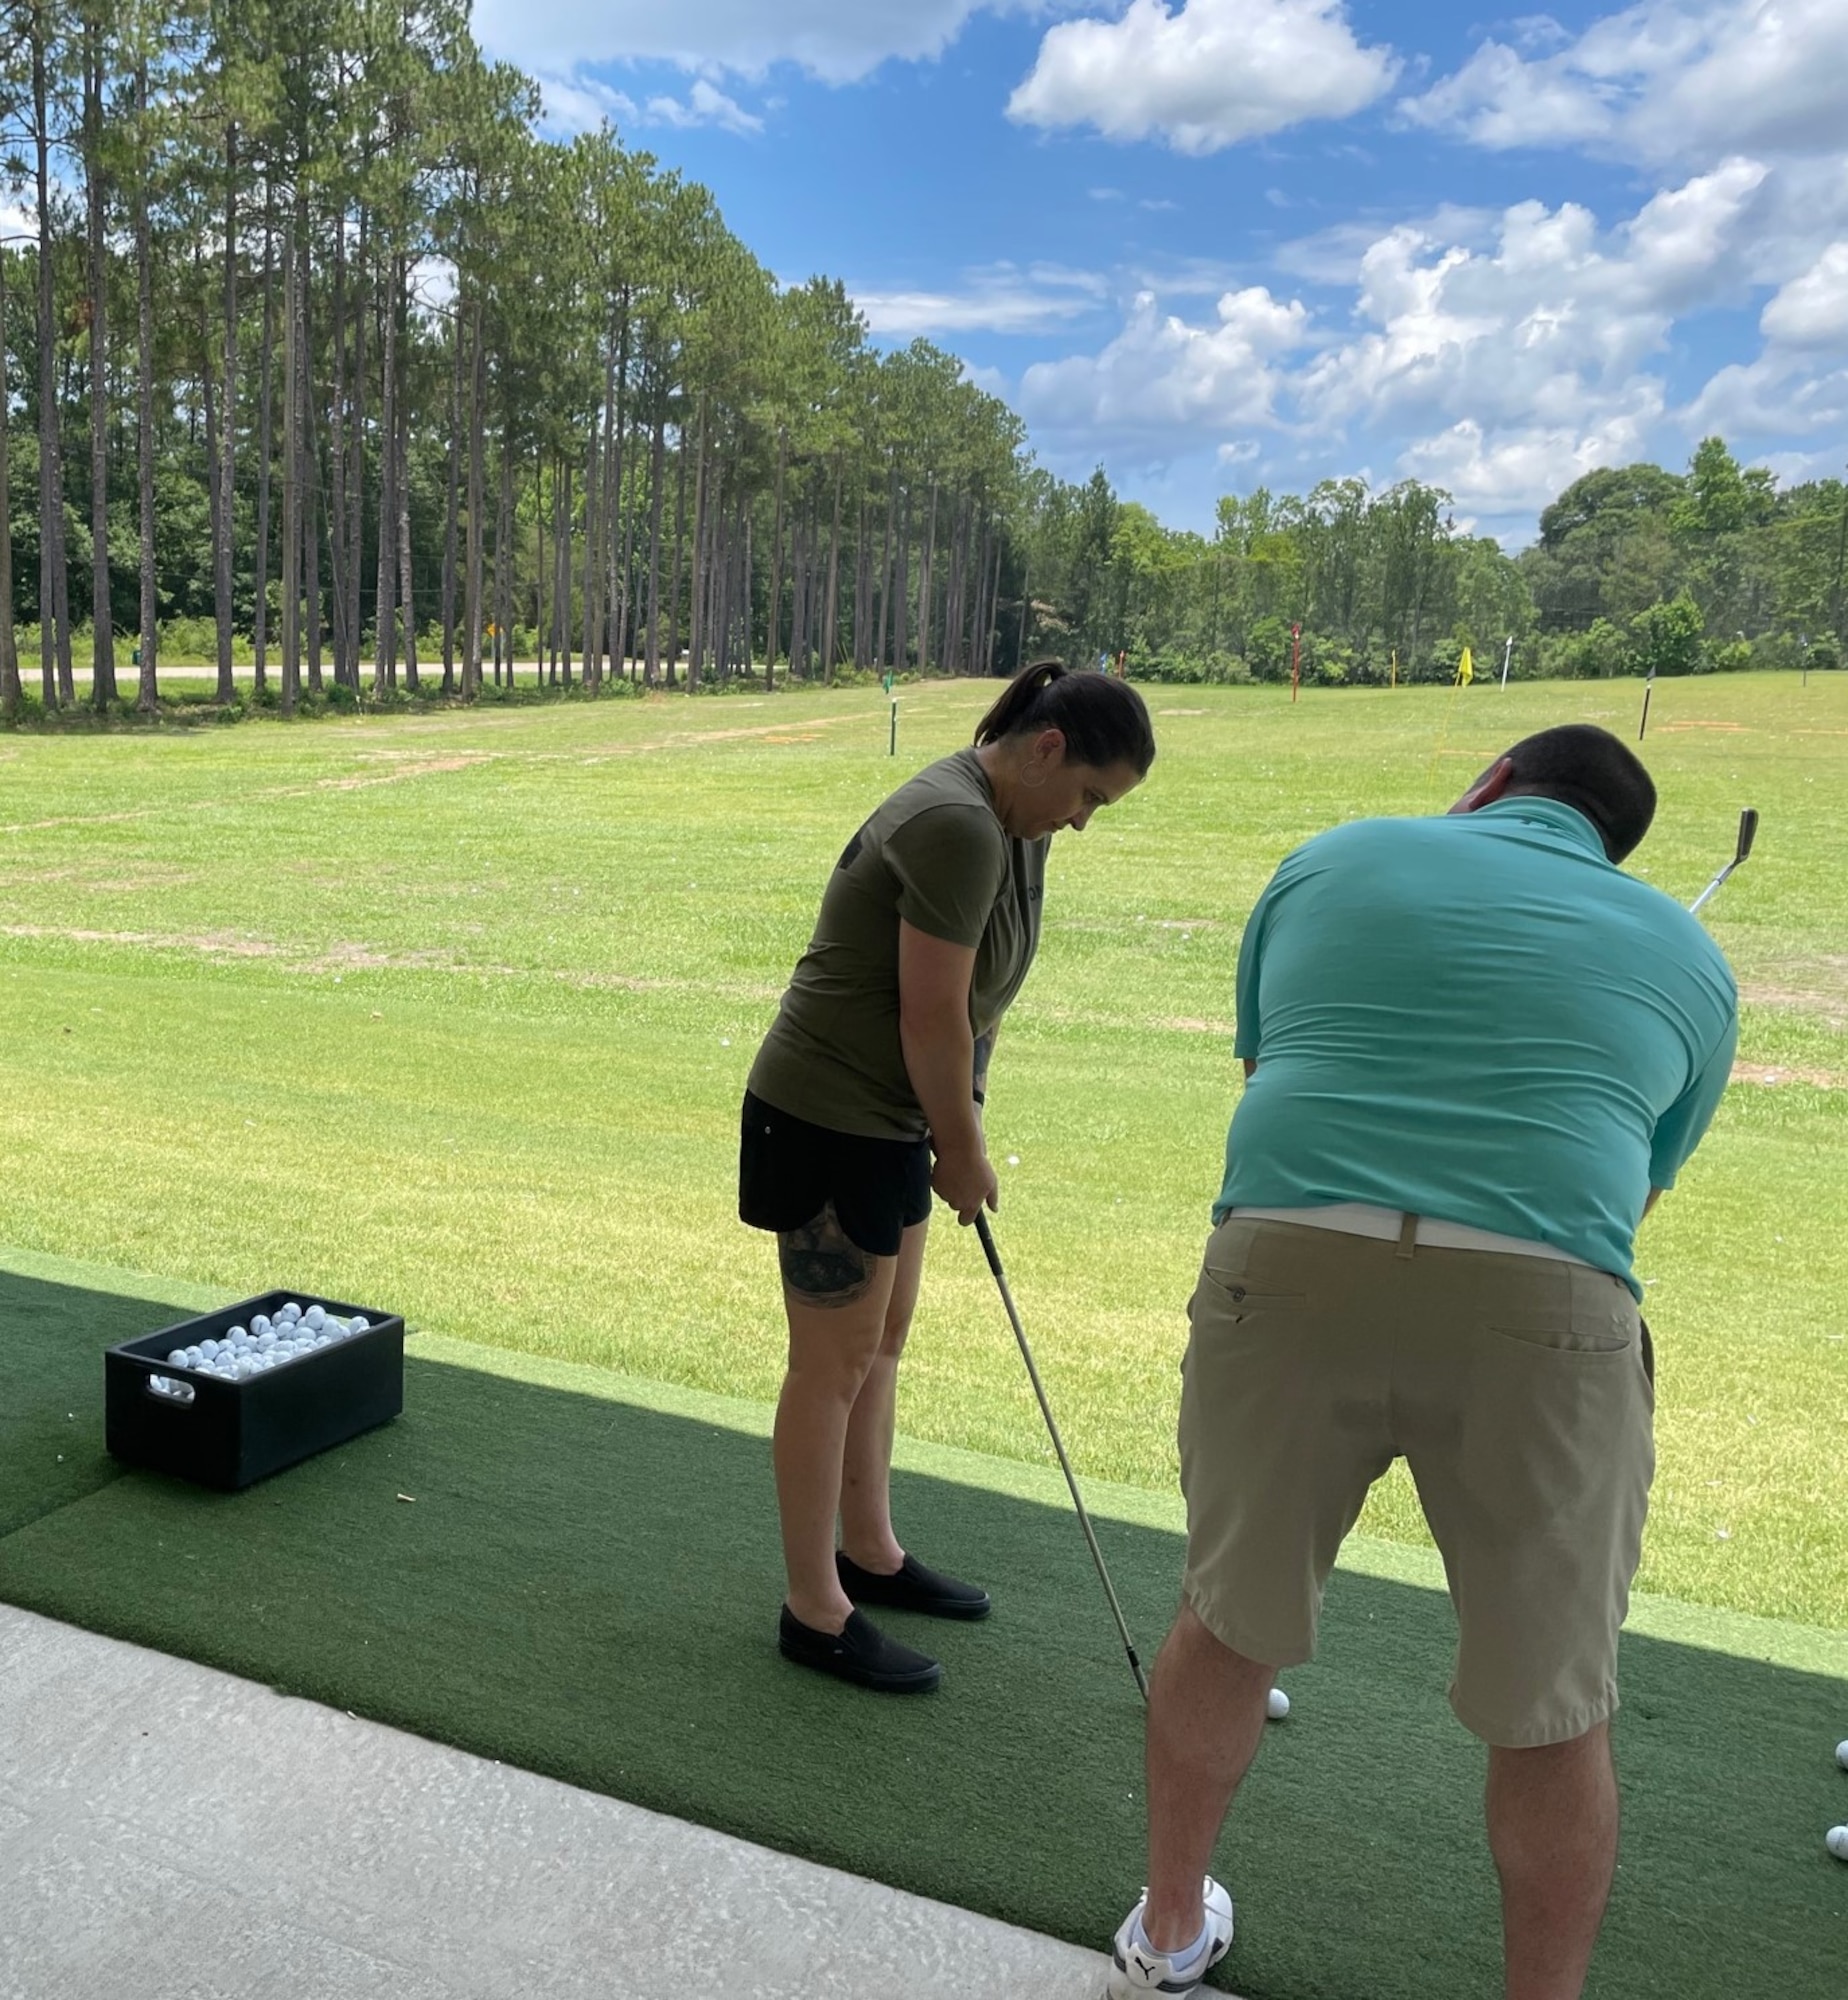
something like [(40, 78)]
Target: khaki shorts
[(1519, 1390)]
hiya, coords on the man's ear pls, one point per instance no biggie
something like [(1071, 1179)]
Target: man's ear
[(1487, 789)]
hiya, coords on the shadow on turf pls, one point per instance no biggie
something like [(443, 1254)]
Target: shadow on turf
[(589, 1589)]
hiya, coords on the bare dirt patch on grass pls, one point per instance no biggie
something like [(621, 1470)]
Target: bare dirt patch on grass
[(1772, 1074)]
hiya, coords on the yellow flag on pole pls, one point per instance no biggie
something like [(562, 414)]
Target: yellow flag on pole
[(1466, 669)]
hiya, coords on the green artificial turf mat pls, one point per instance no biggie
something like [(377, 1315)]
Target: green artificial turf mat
[(585, 1585), (55, 1320)]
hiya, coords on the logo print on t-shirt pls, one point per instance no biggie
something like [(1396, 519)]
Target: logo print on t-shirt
[(851, 852)]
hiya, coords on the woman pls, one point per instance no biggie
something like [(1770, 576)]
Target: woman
[(927, 928)]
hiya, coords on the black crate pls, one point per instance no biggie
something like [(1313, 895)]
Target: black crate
[(230, 1434)]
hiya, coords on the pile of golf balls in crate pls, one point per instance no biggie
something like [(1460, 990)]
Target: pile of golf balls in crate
[(267, 1343)]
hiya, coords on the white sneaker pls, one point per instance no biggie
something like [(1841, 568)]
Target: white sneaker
[(1138, 1969)]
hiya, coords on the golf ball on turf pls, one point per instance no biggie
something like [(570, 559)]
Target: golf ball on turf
[(1277, 1705), (1841, 1755), (1838, 1842)]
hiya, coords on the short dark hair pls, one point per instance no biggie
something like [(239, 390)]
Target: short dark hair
[(1104, 720), (1586, 768)]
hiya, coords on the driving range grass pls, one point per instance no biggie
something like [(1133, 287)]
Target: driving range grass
[(450, 1014)]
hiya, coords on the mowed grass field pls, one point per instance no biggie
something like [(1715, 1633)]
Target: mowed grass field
[(451, 1015)]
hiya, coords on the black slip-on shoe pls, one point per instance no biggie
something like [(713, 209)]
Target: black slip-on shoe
[(912, 1588), (860, 1653)]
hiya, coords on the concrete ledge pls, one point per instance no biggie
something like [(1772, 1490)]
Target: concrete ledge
[(168, 1832)]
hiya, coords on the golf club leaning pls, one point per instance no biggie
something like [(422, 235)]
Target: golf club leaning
[(1084, 1520), (1748, 832)]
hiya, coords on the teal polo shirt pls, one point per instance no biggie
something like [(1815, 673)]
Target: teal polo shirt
[(1476, 1018)]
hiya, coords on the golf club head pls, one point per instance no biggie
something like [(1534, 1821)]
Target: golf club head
[(1748, 832)]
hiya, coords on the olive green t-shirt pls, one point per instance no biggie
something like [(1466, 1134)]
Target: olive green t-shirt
[(937, 856)]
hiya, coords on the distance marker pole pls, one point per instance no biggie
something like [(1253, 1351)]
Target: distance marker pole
[(1648, 690)]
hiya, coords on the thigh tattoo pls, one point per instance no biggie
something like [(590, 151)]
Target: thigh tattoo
[(822, 1263)]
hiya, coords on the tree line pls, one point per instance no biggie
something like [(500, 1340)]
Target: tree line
[(314, 356)]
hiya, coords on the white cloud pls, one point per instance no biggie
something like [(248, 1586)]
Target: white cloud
[(1812, 311), (1206, 76), (999, 298), (1514, 472), (706, 104), (1551, 326), (1781, 394), (1500, 99), (579, 102), (572, 104), (1666, 79), (1162, 375), (839, 41), (1500, 355)]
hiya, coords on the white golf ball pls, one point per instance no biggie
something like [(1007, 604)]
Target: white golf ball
[(359, 1323), (260, 1323), (177, 1359), (291, 1311), (1277, 1704), (1841, 1755), (208, 1348), (314, 1317), (1838, 1842)]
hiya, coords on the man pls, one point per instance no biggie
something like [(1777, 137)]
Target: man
[(1476, 1053)]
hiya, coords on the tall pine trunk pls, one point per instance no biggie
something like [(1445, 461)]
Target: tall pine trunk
[(291, 486), (356, 458), (401, 480), (924, 561), (651, 665), (385, 651), (227, 432), (775, 619), (266, 370), (831, 603), (451, 500), (680, 537), (477, 502), (52, 642), (9, 647), (309, 477), (901, 594), (103, 677), (344, 646), (503, 562)]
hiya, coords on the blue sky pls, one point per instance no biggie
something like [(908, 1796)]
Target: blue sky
[(1217, 243)]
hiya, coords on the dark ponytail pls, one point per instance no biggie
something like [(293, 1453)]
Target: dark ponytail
[(1102, 720)]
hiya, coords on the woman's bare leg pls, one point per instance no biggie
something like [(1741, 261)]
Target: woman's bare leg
[(836, 1296), (866, 1482)]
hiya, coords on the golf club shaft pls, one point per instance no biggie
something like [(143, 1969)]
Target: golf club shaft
[(1052, 1430), (1711, 890)]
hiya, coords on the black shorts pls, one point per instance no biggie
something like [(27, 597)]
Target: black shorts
[(790, 1170)]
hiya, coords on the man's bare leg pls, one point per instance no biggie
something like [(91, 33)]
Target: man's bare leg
[(1553, 1832), (1206, 1718)]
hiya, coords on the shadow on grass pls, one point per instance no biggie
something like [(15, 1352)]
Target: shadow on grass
[(588, 1589)]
